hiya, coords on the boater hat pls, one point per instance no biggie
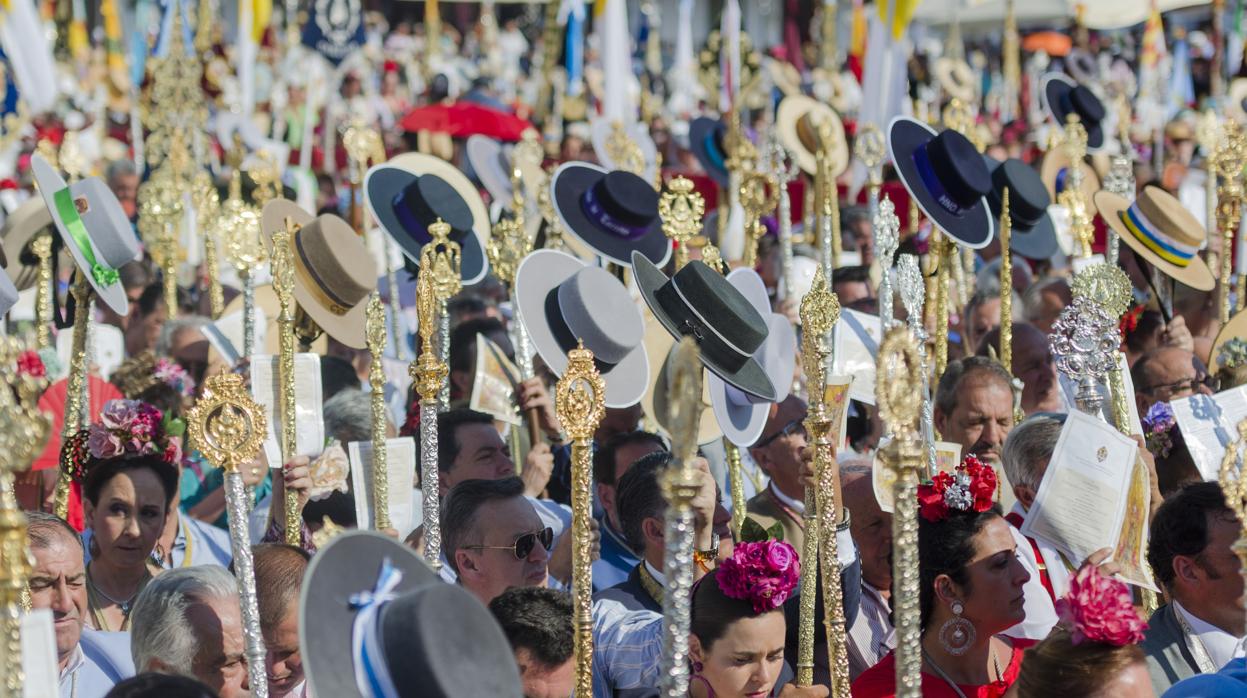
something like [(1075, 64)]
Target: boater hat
[(743, 416), (20, 228), (1054, 173), (411, 191), (333, 270), (797, 122), (1063, 96), (603, 133), (1032, 234), (1162, 231), (562, 301), (94, 228), (705, 139), (376, 622), (946, 175), (955, 77), (697, 301), (615, 213)]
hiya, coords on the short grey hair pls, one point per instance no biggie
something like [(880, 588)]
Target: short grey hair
[(1029, 448), (159, 623), (42, 528), (988, 278), (950, 383), (120, 168), (855, 466), (1033, 299), (348, 416), (173, 326)]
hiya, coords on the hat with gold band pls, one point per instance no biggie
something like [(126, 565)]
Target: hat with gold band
[(1162, 231)]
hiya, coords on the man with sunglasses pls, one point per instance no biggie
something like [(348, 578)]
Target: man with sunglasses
[(493, 537), (1168, 373)]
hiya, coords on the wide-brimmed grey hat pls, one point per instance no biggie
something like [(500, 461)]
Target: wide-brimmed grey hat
[(20, 227), (562, 301), (94, 228), (743, 416), (372, 613)]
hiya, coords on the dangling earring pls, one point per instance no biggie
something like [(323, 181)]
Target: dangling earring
[(957, 633), (697, 666)]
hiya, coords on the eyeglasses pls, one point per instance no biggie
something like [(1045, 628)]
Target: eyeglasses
[(795, 427), (1191, 385), (523, 546)]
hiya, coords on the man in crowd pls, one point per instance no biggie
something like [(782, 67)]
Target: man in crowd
[(1165, 374), (538, 624), (611, 462), (1033, 365), (974, 408), (872, 636), (493, 537), (279, 572), (778, 453), (1044, 301), (89, 662), (1191, 554), (187, 621)]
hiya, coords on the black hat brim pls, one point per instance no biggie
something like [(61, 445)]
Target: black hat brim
[(381, 186), (1037, 241), (973, 228), (568, 185), (1056, 87), (750, 377), (698, 130)]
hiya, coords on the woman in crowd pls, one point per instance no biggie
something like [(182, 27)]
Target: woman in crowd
[(971, 591), (128, 470), (1093, 650)]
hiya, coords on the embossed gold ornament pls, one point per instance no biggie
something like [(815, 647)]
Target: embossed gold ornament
[(429, 374), (681, 209), (282, 266), (375, 337), (1106, 285), (757, 202), (1228, 161), (1071, 197), (623, 151), (75, 387)]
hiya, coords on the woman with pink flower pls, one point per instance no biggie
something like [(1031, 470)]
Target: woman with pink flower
[(127, 466), (1093, 650), (970, 592)]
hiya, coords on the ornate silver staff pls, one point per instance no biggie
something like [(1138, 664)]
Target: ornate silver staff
[(680, 487), (229, 427), (440, 256), (913, 293), (580, 401), (896, 392), (429, 372), (1084, 339), (887, 228), (870, 147), (783, 170)]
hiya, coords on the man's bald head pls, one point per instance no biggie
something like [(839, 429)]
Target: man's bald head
[(869, 525)]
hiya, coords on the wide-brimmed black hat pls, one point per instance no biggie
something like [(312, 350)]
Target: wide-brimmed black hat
[(411, 191), (372, 612), (705, 139), (1032, 234), (613, 212), (946, 175), (1063, 96), (697, 301)]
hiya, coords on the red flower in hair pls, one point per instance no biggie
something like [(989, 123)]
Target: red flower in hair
[(29, 364), (971, 488)]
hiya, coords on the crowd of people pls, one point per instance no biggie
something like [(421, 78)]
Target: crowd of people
[(138, 570)]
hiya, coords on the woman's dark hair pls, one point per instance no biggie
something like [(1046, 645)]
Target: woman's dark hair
[(152, 685), (1058, 667), (101, 471), (713, 611), (946, 547)]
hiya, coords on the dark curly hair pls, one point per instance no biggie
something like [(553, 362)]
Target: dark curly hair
[(1180, 527), (946, 547), (538, 620)]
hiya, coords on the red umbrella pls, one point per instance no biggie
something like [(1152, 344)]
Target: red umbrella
[(463, 119)]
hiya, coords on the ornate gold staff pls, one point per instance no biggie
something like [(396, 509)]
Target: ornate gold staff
[(942, 250), (429, 373), (680, 487), (42, 247), (681, 209), (283, 283), (1071, 196), (76, 385), (913, 294), (441, 257), (1228, 161), (828, 204), (23, 433), (579, 398), (239, 228), (1006, 285), (898, 394), (820, 309), (375, 337), (757, 203), (229, 427), (1234, 484)]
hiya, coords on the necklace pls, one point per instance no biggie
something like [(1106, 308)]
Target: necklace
[(953, 684), (96, 596)]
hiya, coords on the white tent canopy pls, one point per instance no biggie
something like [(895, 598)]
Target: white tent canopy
[(1097, 14)]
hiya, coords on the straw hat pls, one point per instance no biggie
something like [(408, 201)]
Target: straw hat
[(797, 122), (1054, 169), (20, 227), (1162, 231)]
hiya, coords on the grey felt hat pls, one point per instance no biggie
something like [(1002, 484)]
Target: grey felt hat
[(94, 227)]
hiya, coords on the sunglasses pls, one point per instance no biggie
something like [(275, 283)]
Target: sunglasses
[(523, 545), (796, 426), (1190, 385)]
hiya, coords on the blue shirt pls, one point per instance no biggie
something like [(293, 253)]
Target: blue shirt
[(100, 661), (616, 561)]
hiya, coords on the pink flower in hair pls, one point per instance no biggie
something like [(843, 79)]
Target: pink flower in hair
[(763, 573), (1099, 609), (103, 443)]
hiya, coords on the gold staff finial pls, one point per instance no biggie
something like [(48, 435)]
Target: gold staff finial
[(441, 255), (681, 209), (623, 151), (226, 424)]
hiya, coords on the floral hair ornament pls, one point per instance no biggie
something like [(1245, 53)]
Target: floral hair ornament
[(763, 573), (1157, 425), (1099, 609), (173, 375), (969, 488), (127, 428)]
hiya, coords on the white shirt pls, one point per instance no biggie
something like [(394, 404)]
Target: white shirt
[(657, 575), (1040, 612), (1220, 645), (846, 549), (796, 505)]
